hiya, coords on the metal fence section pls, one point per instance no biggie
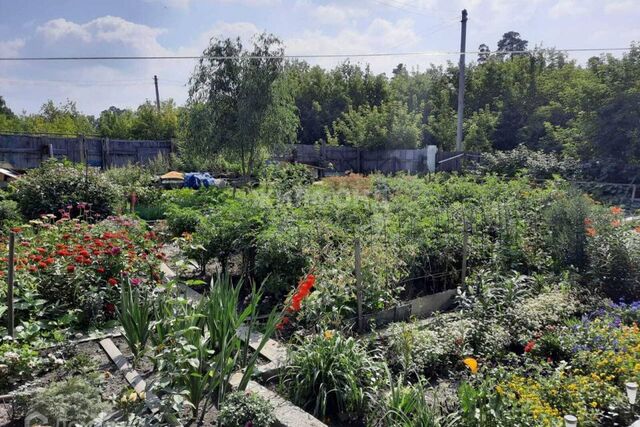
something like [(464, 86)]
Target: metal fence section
[(339, 159), (21, 152)]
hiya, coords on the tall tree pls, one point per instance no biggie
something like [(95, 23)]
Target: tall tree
[(242, 109), (511, 42)]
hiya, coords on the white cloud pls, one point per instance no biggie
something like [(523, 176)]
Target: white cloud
[(109, 30), (11, 47), (566, 8), (624, 6), (379, 36), (185, 4), (332, 14)]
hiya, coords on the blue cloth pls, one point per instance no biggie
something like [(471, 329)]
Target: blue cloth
[(196, 180)]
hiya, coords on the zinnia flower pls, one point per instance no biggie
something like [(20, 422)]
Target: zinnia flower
[(71, 268), (472, 364), (112, 281), (616, 210), (530, 345)]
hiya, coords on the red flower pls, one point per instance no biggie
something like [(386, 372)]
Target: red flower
[(112, 281), (49, 260), (280, 326), (530, 345), (79, 258), (16, 229), (71, 268), (101, 270), (41, 250), (109, 308), (303, 291), (42, 264)]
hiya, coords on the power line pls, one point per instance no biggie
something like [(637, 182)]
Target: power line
[(293, 56), (103, 83)]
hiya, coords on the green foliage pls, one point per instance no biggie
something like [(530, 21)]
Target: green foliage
[(9, 213), (133, 179), (18, 362), (390, 125), (240, 409), (565, 221), (522, 160), (183, 220), (408, 406), (333, 375), (240, 107), (134, 315), (199, 347), (55, 185), (74, 399)]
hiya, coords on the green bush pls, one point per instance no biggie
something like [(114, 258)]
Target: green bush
[(241, 409), (56, 186), (332, 375), (73, 400), (9, 213), (134, 179), (536, 164), (566, 239), (183, 220)]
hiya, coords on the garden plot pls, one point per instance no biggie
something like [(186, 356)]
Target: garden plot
[(286, 272)]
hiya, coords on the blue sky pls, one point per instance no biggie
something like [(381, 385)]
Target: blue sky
[(183, 27)]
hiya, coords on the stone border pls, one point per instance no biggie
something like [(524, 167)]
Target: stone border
[(287, 414), (133, 377)]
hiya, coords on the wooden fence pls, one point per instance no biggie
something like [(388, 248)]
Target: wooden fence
[(21, 152)]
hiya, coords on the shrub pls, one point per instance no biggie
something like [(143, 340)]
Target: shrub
[(134, 179), (241, 409), (287, 178), (566, 239), (536, 164), (56, 186), (533, 315), (9, 213), (183, 220), (72, 400), (332, 375)]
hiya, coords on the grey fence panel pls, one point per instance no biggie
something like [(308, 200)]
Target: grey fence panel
[(21, 152), (341, 158)]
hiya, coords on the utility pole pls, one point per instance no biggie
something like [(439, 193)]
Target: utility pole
[(461, 67), (155, 81)]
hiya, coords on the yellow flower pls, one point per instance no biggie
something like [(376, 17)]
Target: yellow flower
[(472, 364), (328, 335), (133, 396), (594, 404)]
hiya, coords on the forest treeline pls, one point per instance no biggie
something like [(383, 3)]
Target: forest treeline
[(238, 109)]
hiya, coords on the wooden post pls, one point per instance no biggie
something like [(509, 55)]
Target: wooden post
[(358, 271), (50, 148), (10, 279), (465, 244)]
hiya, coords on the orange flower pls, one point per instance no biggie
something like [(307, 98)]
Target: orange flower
[(591, 232), (615, 223), (637, 229), (616, 210), (472, 364)]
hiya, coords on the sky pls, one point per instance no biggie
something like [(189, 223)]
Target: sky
[(31, 28)]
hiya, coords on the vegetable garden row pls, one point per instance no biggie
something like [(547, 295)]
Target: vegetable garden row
[(544, 323)]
